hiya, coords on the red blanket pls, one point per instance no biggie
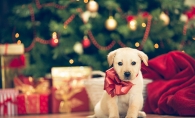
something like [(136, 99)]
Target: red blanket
[(173, 89)]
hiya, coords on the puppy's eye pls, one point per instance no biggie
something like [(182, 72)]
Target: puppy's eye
[(120, 63), (133, 63)]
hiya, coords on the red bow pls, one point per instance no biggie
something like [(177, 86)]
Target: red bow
[(17, 62), (191, 13), (4, 104), (114, 86)]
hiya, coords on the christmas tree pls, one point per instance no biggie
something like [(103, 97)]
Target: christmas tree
[(81, 32)]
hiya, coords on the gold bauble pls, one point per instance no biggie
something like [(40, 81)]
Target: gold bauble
[(184, 18), (132, 24), (164, 17), (110, 23), (92, 6)]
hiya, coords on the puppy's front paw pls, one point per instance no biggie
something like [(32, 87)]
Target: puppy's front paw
[(141, 114), (130, 117)]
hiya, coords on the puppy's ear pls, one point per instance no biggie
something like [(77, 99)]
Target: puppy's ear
[(110, 57), (143, 57)]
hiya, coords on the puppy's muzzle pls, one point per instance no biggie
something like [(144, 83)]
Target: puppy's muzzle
[(127, 74)]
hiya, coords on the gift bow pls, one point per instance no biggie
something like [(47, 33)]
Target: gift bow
[(114, 86), (65, 93), (4, 104), (191, 13), (42, 87)]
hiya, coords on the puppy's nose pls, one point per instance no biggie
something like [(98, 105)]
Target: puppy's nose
[(127, 74)]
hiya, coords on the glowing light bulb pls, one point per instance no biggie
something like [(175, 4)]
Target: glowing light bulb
[(137, 44), (85, 1), (71, 61), (19, 42), (156, 45), (17, 35), (54, 35), (143, 24)]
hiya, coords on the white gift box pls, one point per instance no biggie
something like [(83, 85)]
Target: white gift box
[(8, 105), (11, 49)]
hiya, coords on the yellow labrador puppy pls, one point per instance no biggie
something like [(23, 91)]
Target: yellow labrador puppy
[(127, 64)]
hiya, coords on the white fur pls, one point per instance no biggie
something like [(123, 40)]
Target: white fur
[(130, 104)]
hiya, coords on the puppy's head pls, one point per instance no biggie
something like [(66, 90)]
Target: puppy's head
[(127, 62)]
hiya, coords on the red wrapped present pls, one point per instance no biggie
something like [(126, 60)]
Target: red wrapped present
[(68, 91), (34, 99), (13, 61), (33, 104), (8, 105)]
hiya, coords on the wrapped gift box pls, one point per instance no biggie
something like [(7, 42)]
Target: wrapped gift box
[(8, 104), (12, 62), (34, 97), (11, 49), (68, 91), (33, 104)]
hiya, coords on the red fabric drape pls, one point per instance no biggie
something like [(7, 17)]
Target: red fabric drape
[(173, 88)]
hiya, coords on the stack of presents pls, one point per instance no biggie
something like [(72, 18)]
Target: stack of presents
[(62, 92)]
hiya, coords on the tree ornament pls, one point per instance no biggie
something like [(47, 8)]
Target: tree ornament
[(78, 48), (184, 18), (111, 23), (132, 25), (54, 40), (85, 16), (145, 14), (86, 42), (164, 17), (92, 6)]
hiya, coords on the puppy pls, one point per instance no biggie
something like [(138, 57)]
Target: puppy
[(127, 64)]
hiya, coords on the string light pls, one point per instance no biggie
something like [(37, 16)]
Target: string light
[(193, 38), (182, 51), (156, 46), (137, 44), (30, 79), (43, 41), (121, 43), (37, 39), (17, 35), (143, 24), (147, 31), (54, 35), (19, 42), (85, 1), (71, 61)]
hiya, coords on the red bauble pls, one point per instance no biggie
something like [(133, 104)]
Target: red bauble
[(130, 18), (86, 42), (54, 42)]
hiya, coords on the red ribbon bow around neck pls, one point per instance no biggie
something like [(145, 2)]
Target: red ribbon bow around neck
[(114, 86)]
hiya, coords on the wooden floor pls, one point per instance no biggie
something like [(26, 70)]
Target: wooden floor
[(83, 115)]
